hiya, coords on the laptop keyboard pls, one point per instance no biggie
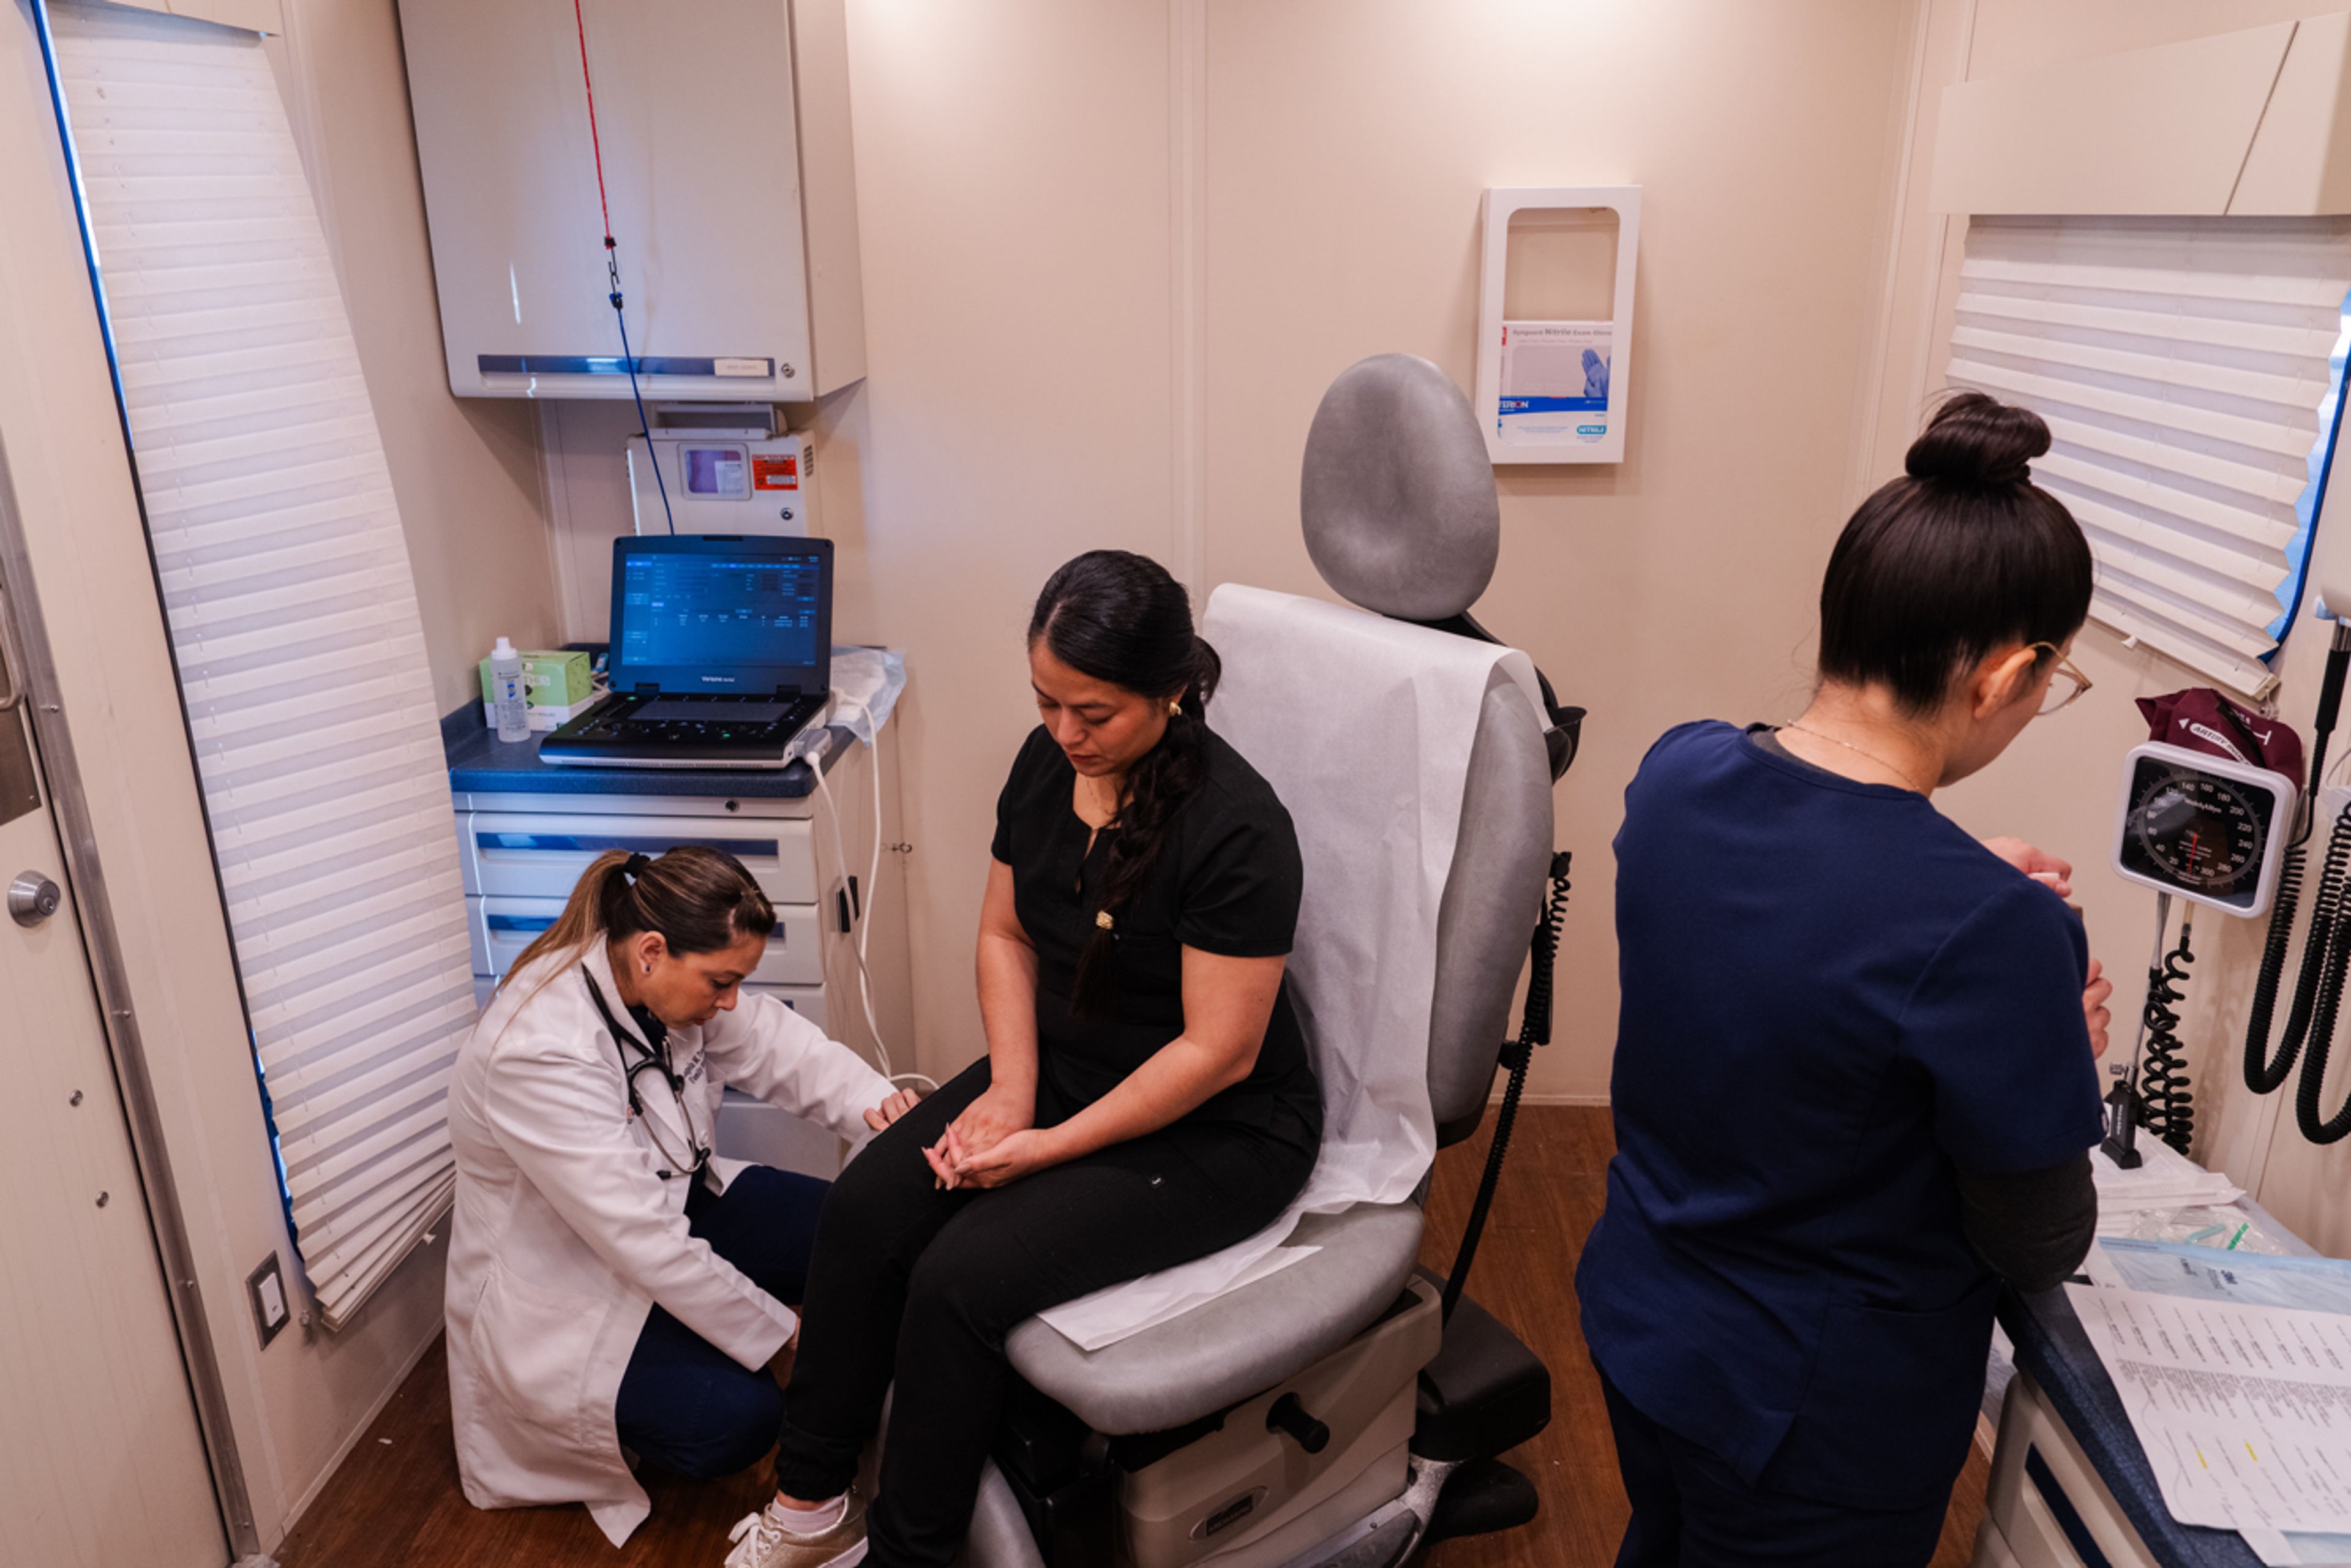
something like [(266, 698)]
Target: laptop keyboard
[(664, 721)]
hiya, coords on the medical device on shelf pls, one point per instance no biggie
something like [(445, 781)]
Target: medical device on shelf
[(721, 468), (2210, 830)]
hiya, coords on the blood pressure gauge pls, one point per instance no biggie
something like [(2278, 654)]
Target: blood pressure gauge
[(2206, 828)]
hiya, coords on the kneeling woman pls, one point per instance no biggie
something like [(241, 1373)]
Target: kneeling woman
[(1146, 1098), (612, 1285)]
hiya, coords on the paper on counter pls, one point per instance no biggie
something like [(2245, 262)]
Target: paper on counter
[(2168, 1179), (2244, 1411)]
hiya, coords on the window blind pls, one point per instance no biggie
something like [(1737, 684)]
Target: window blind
[(293, 619), (2190, 373)]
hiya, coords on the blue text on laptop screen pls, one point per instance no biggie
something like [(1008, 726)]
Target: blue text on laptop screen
[(719, 610)]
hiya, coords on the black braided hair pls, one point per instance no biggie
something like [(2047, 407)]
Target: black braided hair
[(1120, 617)]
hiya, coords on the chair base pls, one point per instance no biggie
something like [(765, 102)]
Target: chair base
[(1416, 1410), (1482, 1496), (1484, 1393), (1237, 1489)]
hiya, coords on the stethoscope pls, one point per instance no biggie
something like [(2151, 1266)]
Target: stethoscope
[(622, 1040)]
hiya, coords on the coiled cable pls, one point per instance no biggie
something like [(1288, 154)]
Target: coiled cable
[(2330, 923), (2167, 1107), (1534, 1030), (2264, 1071)]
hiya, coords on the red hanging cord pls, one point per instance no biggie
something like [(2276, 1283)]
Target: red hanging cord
[(580, 18)]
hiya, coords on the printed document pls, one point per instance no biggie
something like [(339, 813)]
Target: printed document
[(2244, 1409)]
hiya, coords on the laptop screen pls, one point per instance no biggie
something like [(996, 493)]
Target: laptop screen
[(722, 613)]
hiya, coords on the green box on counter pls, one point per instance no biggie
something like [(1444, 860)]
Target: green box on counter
[(551, 678)]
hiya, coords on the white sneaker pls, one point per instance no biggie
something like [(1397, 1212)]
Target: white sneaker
[(766, 1541)]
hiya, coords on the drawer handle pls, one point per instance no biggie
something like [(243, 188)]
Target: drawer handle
[(597, 843)]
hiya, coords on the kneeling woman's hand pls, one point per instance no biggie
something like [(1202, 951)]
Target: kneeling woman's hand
[(890, 1110), (1010, 1157)]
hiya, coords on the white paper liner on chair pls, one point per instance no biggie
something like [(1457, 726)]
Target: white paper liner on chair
[(1363, 726)]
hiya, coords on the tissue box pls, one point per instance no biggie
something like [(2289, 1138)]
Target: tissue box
[(558, 686)]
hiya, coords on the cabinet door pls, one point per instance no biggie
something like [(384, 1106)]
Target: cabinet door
[(696, 127)]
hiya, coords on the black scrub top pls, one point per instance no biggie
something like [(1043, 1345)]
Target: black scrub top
[(1227, 881)]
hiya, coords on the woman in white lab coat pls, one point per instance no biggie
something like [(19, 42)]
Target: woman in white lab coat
[(613, 1283)]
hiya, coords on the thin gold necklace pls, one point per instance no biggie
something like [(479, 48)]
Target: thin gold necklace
[(1857, 751)]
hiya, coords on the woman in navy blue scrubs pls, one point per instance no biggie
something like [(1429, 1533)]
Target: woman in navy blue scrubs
[(1854, 1084)]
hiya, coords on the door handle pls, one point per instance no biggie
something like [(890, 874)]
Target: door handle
[(12, 684), (32, 898)]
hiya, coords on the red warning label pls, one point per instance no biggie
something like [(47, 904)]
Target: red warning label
[(775, 472)]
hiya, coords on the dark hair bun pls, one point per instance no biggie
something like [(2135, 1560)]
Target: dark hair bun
[(1973, 441)]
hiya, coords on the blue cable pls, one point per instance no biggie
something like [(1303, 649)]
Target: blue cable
[(643, 426)]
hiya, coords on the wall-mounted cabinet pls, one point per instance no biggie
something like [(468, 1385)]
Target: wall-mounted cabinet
[(723, 129)]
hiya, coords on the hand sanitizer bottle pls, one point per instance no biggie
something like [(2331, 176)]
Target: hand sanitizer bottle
[(506, 685)]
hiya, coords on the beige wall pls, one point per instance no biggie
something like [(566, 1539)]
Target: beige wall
[(1247, 198), (2057, 785), (466, 472)]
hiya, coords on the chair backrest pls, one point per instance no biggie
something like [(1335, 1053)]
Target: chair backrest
[(1396, 499), (1493, 898), (1412, 763)]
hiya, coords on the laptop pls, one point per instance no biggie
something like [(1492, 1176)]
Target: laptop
[(722, 653)]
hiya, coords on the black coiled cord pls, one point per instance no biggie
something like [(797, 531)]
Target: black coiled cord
[(2264, 1072), (2318, 986), (1534, 1030), (2167, 1107), (2330, 921)]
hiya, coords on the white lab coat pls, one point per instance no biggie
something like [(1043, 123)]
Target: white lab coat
[(564, 1237)]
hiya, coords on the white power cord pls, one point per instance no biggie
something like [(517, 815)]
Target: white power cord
[(862, 911)]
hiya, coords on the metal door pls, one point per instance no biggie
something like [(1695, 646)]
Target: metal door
[(105, 1462)]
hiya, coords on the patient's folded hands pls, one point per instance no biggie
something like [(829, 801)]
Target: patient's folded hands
[(1010, 1157)]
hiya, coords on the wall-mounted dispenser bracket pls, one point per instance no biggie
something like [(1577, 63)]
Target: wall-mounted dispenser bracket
[(1556, 321)]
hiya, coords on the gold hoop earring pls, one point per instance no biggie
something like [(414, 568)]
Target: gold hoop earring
[(1174, 706)]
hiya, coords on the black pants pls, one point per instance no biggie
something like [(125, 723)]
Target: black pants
[(1691, 1509), (684, 1404), (924, 1284)]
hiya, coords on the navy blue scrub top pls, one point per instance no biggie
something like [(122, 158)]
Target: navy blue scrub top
[(1832, 998)]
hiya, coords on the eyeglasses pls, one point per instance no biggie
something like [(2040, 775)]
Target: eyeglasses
[(2065, 683)]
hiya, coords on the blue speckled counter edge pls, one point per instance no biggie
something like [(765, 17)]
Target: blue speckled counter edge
[(480, 763)]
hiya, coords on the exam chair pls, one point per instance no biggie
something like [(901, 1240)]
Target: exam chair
[(1343, 1410)]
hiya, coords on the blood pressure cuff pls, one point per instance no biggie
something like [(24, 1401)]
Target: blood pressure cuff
[(2201, 719)]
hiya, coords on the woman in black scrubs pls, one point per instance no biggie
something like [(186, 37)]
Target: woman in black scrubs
[(1146, 1097)]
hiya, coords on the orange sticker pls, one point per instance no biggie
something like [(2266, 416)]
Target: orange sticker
[(775, 472)]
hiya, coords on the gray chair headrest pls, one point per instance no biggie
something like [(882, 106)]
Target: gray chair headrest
[(1397, 495)]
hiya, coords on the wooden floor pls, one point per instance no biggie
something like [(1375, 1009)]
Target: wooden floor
[(396, 1501)]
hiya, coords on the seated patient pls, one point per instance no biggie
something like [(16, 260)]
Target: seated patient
[(1854, 1082), (1146, 1096)]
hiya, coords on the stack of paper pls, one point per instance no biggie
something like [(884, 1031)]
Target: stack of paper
[(2167, 1180), (2236, 1373)]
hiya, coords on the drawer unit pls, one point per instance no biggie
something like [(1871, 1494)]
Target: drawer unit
[(523, 846), (532, 854), (806, 1001), (502, 927)]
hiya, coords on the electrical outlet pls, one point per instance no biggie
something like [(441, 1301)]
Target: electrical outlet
[(266, 1287)]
